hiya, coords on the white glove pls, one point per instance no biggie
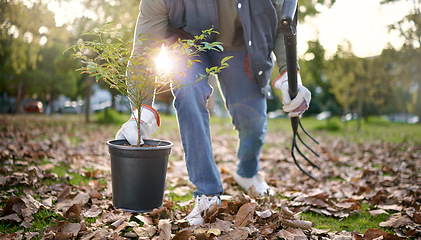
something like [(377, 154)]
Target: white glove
[(149, 123), (297, 106)]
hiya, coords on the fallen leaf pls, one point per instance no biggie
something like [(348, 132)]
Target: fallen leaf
[(264, 214), (73, 213), (417, 217), (95, 194), (375, 233), (93, 212), (292, 234), (164, 228), (48, 202), (377, 212), (244, 215), (144, 219), (240, 233), (12, 217), (213, 232), (396, 221), (13, 205), (68, 231), (8, 236), (302, 224), (182, 235)]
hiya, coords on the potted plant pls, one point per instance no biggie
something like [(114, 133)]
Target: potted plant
[(139, 171)]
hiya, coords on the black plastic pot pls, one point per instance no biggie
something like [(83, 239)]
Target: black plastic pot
[(138, 174)]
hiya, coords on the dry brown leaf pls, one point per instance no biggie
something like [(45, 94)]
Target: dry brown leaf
[(95, 194), (144, 219), (213, 232), (8, 236), (11, 217), (182, 235), (68, 231), (164, 228), (396, 221), (245, 215), (224, 226), (302, 224), (292, 234), (48, 202), (417, 217), (375, 233), (200, 233), (141, 232), (264, 214), (74, 212), (121, 226), (32, 204), (266, 230), (393, 207), (240, 233), (350, 204), (13, 205), (210, 213), (377, 212), (81, 198), (93, 212), (286, 212)]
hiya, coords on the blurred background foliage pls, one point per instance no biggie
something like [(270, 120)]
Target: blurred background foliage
[(34, 63)]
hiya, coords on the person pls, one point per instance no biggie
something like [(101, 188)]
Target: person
[(250, 32)]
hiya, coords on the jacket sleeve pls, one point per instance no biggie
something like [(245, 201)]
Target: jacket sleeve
[(152, 20), (279, 46)]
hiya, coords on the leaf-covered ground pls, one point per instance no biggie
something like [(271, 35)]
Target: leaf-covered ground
[(56, 184)]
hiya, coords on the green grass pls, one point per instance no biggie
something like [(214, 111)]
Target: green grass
[(75, 179), (42, 219), (356, 222), (375, 129), (110, 116), (179, 199)]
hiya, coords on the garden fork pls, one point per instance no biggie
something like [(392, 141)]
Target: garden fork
[(289, 28)]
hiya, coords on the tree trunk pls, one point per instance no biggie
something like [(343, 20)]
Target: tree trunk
[(360, 108), (418, 103), (88, 91), (19, 97)]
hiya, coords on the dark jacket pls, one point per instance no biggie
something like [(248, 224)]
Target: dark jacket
[(259, 21)]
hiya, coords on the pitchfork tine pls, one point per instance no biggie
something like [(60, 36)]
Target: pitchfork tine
[(309, 148), (308, 134), (304, 156), (295, 160)]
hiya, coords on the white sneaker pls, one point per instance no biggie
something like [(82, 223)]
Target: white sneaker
[(257, 181), (202, 203)]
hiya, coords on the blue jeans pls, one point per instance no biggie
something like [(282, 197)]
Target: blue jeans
[(246, 105)]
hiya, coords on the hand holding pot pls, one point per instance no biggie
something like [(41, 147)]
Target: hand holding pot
[(149, 123), (297, 106)]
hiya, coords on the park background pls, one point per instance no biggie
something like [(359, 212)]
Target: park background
[(359, 58)]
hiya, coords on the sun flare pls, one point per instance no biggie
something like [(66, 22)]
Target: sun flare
[(163, 61)]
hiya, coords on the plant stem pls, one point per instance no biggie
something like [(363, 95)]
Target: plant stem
[(139, 137)]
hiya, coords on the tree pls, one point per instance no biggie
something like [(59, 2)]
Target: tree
[(32, 57), (410, 28), (313, 71), (341, 75), (309, 7)]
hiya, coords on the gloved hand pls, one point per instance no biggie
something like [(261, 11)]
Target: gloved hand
[(297, 106), (149, 123)]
